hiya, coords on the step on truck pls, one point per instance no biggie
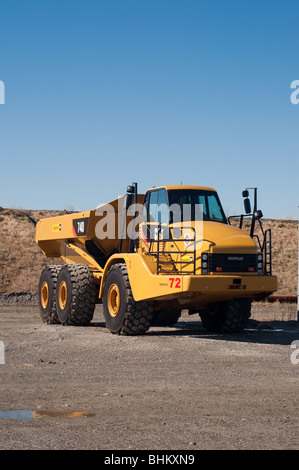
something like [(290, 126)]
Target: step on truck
[(146, 257)]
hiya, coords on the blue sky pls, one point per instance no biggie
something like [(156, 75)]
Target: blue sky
[(102, 93)]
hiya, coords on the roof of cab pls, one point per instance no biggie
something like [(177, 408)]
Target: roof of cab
[(183, 186)]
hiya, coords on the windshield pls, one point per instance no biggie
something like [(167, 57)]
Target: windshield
[(190, 204)]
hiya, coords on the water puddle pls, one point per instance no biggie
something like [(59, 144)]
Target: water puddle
[(27, 415), (20, 415)]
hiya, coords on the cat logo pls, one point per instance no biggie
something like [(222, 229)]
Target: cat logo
[(56, 228)]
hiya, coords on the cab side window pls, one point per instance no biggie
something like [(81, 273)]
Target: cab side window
[(158, 206), (152, 206)]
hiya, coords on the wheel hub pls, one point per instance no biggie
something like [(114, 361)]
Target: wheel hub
[(62, 295), (113, 300), (44, 294)]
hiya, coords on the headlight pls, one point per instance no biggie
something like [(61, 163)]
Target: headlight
[(204, 263), (260, 264)]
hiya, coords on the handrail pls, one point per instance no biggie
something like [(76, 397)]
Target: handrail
[(160, 253)]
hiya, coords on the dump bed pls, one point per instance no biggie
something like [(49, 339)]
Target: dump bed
[(100, 231)]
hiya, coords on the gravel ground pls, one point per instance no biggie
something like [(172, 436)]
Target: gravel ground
[(177, 388)]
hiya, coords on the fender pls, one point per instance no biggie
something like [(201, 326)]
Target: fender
[(114, 259)]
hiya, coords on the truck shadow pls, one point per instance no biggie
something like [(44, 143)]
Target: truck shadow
[(270, 332)]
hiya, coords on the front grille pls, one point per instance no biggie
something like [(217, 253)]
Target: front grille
[(232, 263)]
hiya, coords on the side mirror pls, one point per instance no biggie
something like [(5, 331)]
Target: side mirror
[(247, 205), (129, 200), (258, 214), (245, 193)]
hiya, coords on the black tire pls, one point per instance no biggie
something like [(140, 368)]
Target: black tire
[(47, 294), (75, 295), (227, 317), (165, 317), (123, 315)]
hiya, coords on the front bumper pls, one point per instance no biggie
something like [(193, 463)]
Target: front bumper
[(258, 284)]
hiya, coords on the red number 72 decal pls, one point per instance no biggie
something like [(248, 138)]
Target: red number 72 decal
[(175, 282)]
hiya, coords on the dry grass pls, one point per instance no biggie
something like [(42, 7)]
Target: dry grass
[(21, 260), (284, 252)]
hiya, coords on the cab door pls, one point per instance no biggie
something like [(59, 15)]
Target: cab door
[(157, 214)]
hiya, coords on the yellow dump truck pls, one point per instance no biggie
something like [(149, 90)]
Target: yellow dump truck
[(146, 257)]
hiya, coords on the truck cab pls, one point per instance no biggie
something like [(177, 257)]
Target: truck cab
[(188, 225)]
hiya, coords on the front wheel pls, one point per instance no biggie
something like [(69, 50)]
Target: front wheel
[(123, 315), (227, 317)]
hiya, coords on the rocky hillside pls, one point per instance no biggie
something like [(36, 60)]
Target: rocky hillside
[(21, 260)]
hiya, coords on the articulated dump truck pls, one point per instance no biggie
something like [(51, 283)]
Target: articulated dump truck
[(146, 257)]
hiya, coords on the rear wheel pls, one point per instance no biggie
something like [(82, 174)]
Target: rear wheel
[(227, 317), (47, 294), (75, 295), (123, 315)]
